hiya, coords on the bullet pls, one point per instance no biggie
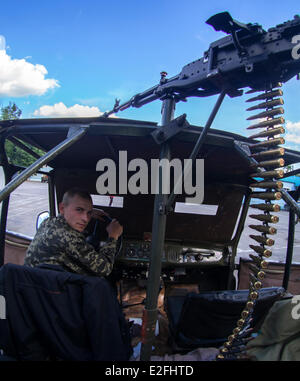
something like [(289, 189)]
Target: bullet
[(267, 195), (268, 95), (268, 185), (241, 322), (264, 154), (267, 143), (231, 338), (267, 123), (263, 240), (265, 105), (265, 174), (263, 229), (236, 330), (265, 218), (267, 207), (263, 264), (257, 285), (244, 314), (249, 305), (257, 272), (261, 250), (271, 163), (253, 295), (267, 114), (224, 350), (268, 133)]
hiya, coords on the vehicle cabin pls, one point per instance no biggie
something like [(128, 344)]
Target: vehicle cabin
[(200, 241)]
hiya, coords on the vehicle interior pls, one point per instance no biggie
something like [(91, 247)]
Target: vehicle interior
[(202, 290)]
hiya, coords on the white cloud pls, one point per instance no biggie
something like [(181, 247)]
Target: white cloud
[(19, 78), (294, 138), (295, 127), (60, 110), (292, 132)]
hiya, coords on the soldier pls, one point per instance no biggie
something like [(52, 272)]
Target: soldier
[(60, 240)]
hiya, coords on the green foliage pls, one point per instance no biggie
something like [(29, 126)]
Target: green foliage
[(10, 112), (15, 154)]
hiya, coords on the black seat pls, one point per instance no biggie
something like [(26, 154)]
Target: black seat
[(55, 314), (207, 319)]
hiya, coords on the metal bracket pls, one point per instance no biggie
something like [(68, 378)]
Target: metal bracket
[(164, 209), (73, 130), (244, 150), (166, 132)]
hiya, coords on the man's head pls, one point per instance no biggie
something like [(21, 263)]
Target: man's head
[(76, 207)]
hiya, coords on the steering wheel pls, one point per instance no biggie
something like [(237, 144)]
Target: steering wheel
[(95, 241)]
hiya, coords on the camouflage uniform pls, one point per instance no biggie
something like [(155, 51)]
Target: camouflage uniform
[(57, 243)]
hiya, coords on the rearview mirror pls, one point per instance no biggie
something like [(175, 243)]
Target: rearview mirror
[(40, 218)]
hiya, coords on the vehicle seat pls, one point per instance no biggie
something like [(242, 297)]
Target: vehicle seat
[(208, 318), (55, 314)]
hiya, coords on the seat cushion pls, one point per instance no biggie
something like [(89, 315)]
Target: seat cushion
[(211, 316)]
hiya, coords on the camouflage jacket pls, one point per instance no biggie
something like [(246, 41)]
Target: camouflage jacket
[(57, 243)]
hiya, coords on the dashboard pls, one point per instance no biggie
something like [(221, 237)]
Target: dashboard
[(139, 252)]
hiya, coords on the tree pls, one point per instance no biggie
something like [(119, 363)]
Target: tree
[(10, 112), (15, 154)]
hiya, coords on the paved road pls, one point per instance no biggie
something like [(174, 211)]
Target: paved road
[(31, 198)]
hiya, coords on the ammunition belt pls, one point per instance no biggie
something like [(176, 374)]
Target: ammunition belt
[(268, 168)]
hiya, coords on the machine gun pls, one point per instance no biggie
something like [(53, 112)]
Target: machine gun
[(248, 57)]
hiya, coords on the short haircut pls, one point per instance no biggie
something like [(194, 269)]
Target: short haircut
[(76, 192)]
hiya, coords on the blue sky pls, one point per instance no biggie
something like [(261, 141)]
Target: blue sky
[(74, 57)]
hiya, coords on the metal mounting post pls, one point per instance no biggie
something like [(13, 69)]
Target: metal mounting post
[(157, 246)]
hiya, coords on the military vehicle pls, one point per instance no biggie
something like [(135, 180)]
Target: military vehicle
[(182, 193)]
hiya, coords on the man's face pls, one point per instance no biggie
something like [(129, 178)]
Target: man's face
[(77, 212)]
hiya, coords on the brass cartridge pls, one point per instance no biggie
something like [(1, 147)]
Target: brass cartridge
[(268, 185), (268, 143), (268, 104), (264, 229), (269, 132), (267, 195), (261, 250), (269, 153), (265, 218), (267, 123), (264, 240), (271, 163), (267, 207), (268, 95), (257, 272), (267, 114), (263, 264), (266, 174)]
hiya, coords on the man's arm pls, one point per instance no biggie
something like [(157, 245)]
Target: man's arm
[(81, 254)]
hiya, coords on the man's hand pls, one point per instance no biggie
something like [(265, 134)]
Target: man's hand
[(114, 229)]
